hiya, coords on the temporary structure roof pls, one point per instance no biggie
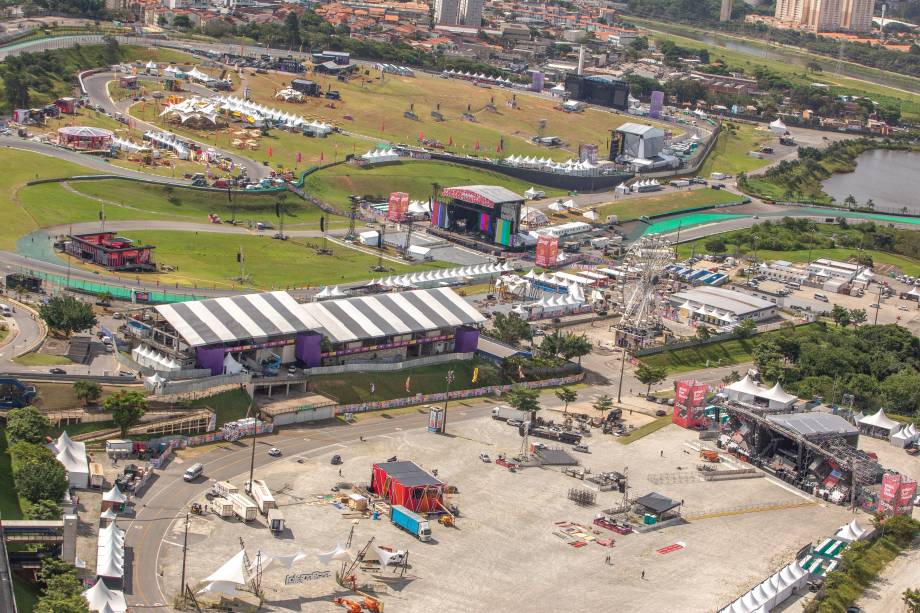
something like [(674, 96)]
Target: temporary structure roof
[(778, 394), (851, 532), (101, 598), (114, 495), (745, 386), (879, 420), (232, 571)]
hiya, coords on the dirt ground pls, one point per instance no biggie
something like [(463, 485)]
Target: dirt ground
[(503, 555)]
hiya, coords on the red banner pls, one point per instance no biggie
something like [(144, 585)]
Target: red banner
[(896, 494), (547, 251), (399, 206), (689, 402)]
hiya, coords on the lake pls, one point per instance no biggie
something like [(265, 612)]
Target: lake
[(888, 177)]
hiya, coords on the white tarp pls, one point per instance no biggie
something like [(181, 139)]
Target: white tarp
[(339, 552), (232, 571)]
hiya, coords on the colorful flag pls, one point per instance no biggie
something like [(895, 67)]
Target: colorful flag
[(475, 374), (421, 136), (450, 140), (269, 151), (382, 127), (298, 157), (321, 156), (408, 380), (477, 145)]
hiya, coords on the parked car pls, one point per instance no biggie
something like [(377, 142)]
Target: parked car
[(57, 371), (336, 460), (485, 457), (581, 448), (660, 413), (274, 452), (514, 422)]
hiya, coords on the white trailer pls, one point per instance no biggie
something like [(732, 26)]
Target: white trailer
[(263, 496), (222, 488), (505, 413), (275, 520), (243, 506)]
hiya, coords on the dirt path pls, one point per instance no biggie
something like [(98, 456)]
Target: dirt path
[(885, 594)]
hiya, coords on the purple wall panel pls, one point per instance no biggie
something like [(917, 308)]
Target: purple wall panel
[(307, 349), (466, 339), (211, 358)]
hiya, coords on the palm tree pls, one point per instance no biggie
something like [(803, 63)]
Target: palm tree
[(566, 395)]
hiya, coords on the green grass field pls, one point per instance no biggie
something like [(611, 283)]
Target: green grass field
[(724, 353), (229, 406), (669, 200), (730, 153), (644, 430), (209, 260), (335, 184), (350, 388), (22, 166), (42, 359)]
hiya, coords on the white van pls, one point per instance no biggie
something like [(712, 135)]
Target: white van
[(5, 310), (193, 472)]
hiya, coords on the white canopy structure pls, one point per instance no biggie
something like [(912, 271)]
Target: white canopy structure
[(110, 552), (127, 145), (768, 595), (339, 552), (154, 382), (378, 156), (114, 495), (193, 108), (151, 358), (289, 95), (851, 532), (109, 514), (257, 113), (72, 455), (746, 390), (878, 425), (778, 127), (100, 598), (197, 75), (436, 277), (166, 140), (905, 436)]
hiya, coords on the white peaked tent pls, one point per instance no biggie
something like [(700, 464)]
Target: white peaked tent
[(110, 552), (231, 366), (778, 126), (744, 390), (109, 514), (72, 455), (851, 532), (100, 598), (153, 382), (771, 593), (115, 496), (879, 425), (383, 555), (777, 397)]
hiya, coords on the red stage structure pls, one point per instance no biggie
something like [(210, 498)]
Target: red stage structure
[(406, 484), (689, 403), (113, 252)]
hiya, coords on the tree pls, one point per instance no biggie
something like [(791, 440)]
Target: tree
[(902, 390), (715, 245), (87, 391), (67, 315), (41, 480), (566, 395), (62, 592), (703, 333), (16, 89), (27, 424), (603, 404), (911, 599), (292, 27), (162, 21), (814, 66), (182, 22), (870, 204), (511, 328), (840, 315), (731, 377), (858, 317), (650, 375), (575, 346), (525, 399), (127, 408), (111, 51), (44, 510), (850, 201), (745, 328)]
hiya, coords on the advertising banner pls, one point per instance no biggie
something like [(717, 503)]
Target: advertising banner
[(399, 207), (547, 251)]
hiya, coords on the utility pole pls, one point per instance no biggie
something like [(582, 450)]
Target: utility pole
[(878, 304), (450, 379), (102, 215), (182, 587), (622, 371), (408, 238)]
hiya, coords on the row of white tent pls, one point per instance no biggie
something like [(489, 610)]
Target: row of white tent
[(570, 166), (192, 108), (478, 77), (167, 140), (260, 112), (559, 279), (380, 155), (72, 456), (110, 552), (327, 293), (127, 145), (645, 184), (879, 424), (746, 390), (289, 95), (772, 592), (151, 358), (435, 276), (704, 311)]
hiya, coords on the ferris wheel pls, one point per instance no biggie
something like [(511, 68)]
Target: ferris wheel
[(646, 259)]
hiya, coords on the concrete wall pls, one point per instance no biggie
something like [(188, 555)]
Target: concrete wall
[(304, 415)]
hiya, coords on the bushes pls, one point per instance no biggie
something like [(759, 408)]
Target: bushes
[(26, 424), (37, 473)]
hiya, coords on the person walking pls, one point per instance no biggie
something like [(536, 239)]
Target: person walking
[(643, 574)]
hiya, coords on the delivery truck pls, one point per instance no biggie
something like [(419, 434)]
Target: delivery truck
[(243, 506), (222, 488), (505, 413), (410, 522), (263, 496)]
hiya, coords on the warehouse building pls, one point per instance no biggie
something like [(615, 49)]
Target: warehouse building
[(720, 307), (263, 331)]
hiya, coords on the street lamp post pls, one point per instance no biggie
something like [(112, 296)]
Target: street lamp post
[(450, 379)]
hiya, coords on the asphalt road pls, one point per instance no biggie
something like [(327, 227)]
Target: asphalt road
[(23, 336), (168, 497)]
